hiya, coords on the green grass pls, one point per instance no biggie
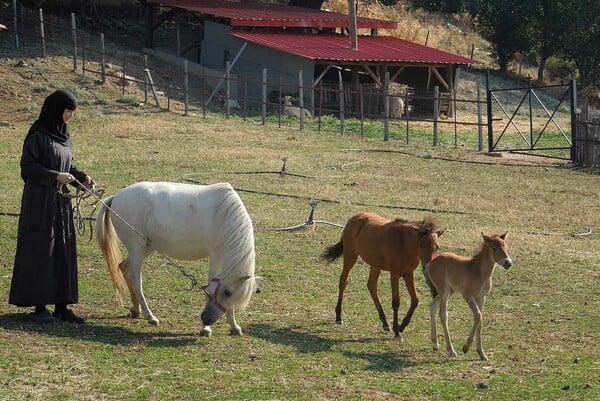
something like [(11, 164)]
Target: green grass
[(541, 319)]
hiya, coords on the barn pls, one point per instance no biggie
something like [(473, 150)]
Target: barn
[(250, 37)]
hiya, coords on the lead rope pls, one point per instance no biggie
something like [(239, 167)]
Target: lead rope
[(83, 193)]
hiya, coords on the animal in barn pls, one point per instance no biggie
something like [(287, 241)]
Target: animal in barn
[(472, 278), (391, 245), (288, 109), (396, 106), (184, 222), (232, 103)]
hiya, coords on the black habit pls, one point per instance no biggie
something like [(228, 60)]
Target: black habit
[(45, 269)]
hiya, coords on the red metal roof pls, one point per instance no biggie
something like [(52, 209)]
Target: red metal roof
[(378, 49), (274, 15)]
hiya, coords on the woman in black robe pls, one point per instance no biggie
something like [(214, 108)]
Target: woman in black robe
[(45, 269)]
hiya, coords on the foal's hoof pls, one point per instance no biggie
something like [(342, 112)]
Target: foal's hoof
[(339, 321), (154, 322), (205, 332), (386, 327)]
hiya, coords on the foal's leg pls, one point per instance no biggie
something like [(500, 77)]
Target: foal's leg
[(434, 310), (478, 304), (409, 280), (235, 329), (444, 318), (476, 329), (349, 261), (372, 286), (133, 273)]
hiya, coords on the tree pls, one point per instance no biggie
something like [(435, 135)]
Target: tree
[(582, 38), (506, 25), (549, 21)]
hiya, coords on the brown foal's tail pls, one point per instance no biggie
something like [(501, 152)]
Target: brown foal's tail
[(333, 252), (432, 289), (107, 241)]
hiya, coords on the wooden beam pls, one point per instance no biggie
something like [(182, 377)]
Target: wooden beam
[(322, 74), (439, 77), (373, 75), (393, 78)]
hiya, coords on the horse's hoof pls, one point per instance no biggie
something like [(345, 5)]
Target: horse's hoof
[(236, 332), (386, 328), (134, 315), (154, 321), (465, 349), (205, 333), (436, 346), (339, 321), (452, 353)]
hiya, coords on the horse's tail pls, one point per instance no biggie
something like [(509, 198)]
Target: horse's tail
[(432, 288), (107, 241), (334, 251)]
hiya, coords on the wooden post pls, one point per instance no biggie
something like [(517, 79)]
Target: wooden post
[(203, 96), (74, 37), (573, 93), (102, 59), (42, 33), (227, 87), (146, 75), (436, 113), (341, 102), (406, 112), (353, 31), (479, 117), (264, 97), (186, 89), (15, 24), (490, 121), (301, 99), (386, 106)]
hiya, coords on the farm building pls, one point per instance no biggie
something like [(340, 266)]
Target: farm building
[(251, 37)]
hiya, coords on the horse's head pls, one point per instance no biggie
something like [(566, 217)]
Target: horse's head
[(222, 295), (428, 243), (498, 245)]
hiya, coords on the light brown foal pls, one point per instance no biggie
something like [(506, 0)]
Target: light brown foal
[(392, 245), (472, 278)]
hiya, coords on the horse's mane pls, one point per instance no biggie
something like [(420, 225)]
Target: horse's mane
[(427, 225), (236, 234)]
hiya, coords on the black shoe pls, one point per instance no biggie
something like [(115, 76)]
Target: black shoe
[(42, 317), (67, 315)]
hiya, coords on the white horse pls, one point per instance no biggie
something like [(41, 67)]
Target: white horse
[(185, 222)]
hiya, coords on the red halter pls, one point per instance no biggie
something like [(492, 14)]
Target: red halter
[(215, 293)]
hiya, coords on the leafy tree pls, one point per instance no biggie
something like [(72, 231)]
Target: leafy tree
[(506, 25), (582, 39), (549, 20), (444, 6)]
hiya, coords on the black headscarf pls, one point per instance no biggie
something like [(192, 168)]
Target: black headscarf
[(51, 116)]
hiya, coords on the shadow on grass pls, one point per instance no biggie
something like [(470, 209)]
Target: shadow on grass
[(93, 332), (382, 361), (313, 342)]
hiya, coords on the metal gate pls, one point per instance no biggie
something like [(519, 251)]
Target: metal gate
[(532, 120)]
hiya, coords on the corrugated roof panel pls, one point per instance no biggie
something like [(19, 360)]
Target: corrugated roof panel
[(274, 15), (370, 48)]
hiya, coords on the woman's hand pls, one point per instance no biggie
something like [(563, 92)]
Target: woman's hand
[(64, 179)]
